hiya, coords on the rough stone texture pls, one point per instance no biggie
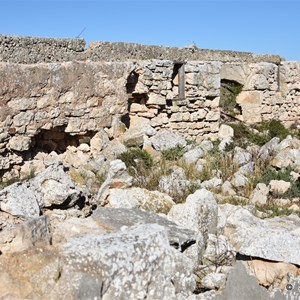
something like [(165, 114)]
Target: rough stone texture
[(279, 186), (30, 274), (132, 264), (213, 281), (198, 213), (117, 177), (19, 200), (260, 194), (274, 239), (275, 274), (140, 198), (77, 92), (25, 235), (242, 286), (115, 218), (51, 187), (54, 187), (225, 131), (166, 139), (72, 226), (218, 251), (175, 183), (191, 157)]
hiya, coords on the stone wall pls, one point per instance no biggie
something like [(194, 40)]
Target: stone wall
[(47, 105), (269, 92), (22, 49), (156, 97), (28, 50)]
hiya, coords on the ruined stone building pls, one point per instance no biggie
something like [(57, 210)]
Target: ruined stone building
[(54, 92)]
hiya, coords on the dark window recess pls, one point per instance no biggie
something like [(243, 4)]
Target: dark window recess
[(132, 80), (178, 81)]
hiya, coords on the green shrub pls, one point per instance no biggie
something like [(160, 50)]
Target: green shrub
[(136, 157), (173, 153), (276, 129), (259, 134)]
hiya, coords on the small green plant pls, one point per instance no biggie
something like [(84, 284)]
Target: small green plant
[(173, 153), (221, 162), (136, 158)]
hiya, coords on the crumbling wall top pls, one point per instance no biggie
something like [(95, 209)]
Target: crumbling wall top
[(28, 50)]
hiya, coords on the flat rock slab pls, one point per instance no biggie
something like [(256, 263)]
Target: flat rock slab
[(276, 239), (115, 218)]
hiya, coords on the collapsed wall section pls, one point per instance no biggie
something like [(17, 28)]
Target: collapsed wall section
[(67, 99)]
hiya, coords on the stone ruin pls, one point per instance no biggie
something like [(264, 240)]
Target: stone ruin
[(55, 93)]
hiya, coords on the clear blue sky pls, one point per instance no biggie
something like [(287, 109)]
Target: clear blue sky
[(269, 26)]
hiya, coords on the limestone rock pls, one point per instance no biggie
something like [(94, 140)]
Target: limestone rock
[(115, 218), (287, 157), (54, 187), (213, 281), (62, 230), (269, 149), (260, 194), (227, 189), (225, 131), (206, 145), (30, 233), (98, 142), (241, 156), (30, 274), (271, 239), (140, 198), (250, 102), (156, 99), (175, 183), (117, 177), (279, 186), (239, 180), (166, 139), (213, 183), (19, 200), (113, 150), (271, 273), (242, 286), (198, 213), (19, 143), (218, 251), (191, 157), (234, 72), (131, 264)]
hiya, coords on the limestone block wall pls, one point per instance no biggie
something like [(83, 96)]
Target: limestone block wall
[(156, 96), (270, 91), (289, 108), (44, 105)]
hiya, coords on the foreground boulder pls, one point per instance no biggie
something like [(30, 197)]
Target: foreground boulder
[(276, 239), (135, 263), (198, 213), (116, 218)]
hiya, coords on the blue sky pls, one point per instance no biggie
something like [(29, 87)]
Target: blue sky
[(269, 26)]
